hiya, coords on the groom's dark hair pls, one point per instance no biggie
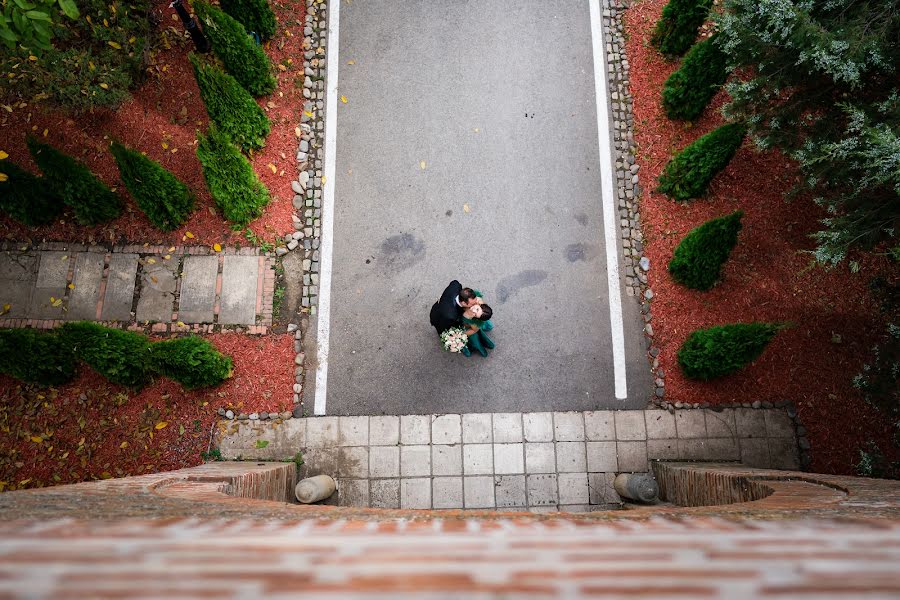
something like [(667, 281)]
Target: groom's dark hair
[(466, 294), (486, 313)]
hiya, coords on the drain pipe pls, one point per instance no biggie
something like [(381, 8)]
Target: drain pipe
[(640, 487), (314, 489)]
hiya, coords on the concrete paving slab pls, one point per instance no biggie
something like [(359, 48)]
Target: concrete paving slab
[(384, 461), (18, 265), (415, 429), (478, 459), (720, 424), (384, 430), (568, 426), (18, 271), (237, 304), (632, 456), (478, 492), (415, 493), (477, 428), (540, 457), (158, 284), (660, 424), (601, 490), (384, 493), (84, 296), (198, 289), (570, 457), (542, 490), (119, 296), (353, 492), (630, 425), (353, 431), (50, 286), (447, 492), (599, 425), (446, 429), (353, 462), (509, 491), (601, 457), (507, 428), (538, 427), (509, 459), (573, 488), (415, 461), (690, 424), (446, 460)]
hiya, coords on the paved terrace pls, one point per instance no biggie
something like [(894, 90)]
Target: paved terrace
[(541, 462)]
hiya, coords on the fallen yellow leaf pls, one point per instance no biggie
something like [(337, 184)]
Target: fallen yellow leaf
[(3, 155), (344, 99), (189, 234), (466, 207), (151, 261), (171, 248), (123, 445), (477, 130), (161, 425), (217, 247), (165, 146), (71, 286), (104, 86), (37, 439), (422, 164), (167, 257), (6, 308), (46, 131), (114, 45), (351, 62), (305, 112), (181, 324), (4, 177), (273, 168)]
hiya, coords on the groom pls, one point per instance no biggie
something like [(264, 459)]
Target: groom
[(447, 312)]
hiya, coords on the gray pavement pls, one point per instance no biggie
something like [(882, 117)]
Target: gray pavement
[(468, 150)]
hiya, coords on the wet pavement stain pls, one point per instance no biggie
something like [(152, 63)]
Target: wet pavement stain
[(508, 286), (580, 252), (402, 251)]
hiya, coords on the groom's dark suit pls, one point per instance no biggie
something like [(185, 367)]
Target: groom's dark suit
[(446, 313)]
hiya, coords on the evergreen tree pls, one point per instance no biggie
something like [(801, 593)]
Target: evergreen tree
[(677, 29), (689, 173), (699, 257), (254, 15), (191, 361), (717, 351), (26, 197), (688, 90)]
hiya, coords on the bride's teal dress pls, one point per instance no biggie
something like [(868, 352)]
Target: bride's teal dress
[(479, 341)]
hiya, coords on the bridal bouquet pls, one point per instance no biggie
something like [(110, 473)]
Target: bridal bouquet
[(454, 339)]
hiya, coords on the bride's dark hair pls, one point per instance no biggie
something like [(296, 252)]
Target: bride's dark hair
[(486, 313)]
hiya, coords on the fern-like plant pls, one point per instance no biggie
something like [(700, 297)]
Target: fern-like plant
[(688, 174), (688, 90), (699, 257), (26, 197), (676, 30)]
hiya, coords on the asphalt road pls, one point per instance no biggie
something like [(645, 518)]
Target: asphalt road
[(467, 149)]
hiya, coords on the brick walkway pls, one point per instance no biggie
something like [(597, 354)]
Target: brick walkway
[(541, 462), (159, 288)]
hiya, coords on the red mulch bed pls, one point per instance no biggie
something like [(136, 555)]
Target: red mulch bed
[(162, 119), (92, 429), (768, 278)]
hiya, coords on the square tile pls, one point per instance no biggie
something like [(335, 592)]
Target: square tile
[(750, 423), (692, 449), (660, 424), (353, 461), (722, 449), (542, 490), (568, 426), (720, 424), (478, 459), (353, 431), (509, 459), (447, 492), (507, 428), (599, 425), (476, 428), (320, 461), (384, 431), (538, 427), (662, 449), (322, 432), (632, 456), (630, 425), (446, 460), (415, 461), (784, 454), (601, 489), (542, 510), (601, 457), (574, 508), (415, 493), (509, 490), (384, 461), (478, 492), (384, 493), (446, 429), (415, 429), (690, 423), (540, 458), (754, 452), (353, 492), (573, 488), (570, 457), (778, 424)]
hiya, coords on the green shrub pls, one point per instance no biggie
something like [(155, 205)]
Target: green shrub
[(246, 61), (234, 186), (699, 257), (230, 106), (688, 174), (67, 178), (717, 351), (166, 201), (26, 197), (677, 29), (35, 357), (123, 357), (254, 15), (688, 90), (191, 361)]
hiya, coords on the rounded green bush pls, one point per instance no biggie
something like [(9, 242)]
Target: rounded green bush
[(677, 29), (698, 259), (688, 174), (254, 15), (123, 357), (230, 106), (165, 200), (240, 54), (26, 197), (717, 351), (191, 361), (234, 186), (688, 90), (35, 357)]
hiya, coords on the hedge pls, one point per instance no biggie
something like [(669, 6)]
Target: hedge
[(165, 200), (123, 357), (688, 174), (232, 182), (254, 15), (717, 351), (698, 259), (67, 178), (677, 29), (688, 90), (191, 361), (35, 357), (240, 54), (26, 197), (230, 106)]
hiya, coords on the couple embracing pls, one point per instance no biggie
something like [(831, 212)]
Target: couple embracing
[(462, 319)]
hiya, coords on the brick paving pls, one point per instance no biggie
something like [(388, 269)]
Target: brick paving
[(513, 461)]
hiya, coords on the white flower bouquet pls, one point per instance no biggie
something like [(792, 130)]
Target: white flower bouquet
[(454, 339)]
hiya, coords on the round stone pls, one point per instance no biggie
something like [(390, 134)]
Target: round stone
[(229, 414), (254, 416), (263, 416)]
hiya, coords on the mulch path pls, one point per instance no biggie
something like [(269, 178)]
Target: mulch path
[(769, 277), (162, 120)]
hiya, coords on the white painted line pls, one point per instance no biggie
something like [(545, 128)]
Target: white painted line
[(327, 219), (608, 196)]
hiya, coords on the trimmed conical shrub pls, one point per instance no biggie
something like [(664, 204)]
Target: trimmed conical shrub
[(234, 186), (230, 106), (254, 15), (90, 199), (688, 174), (123, 357), (717, 351), (240, 54), (688, 90), (677, 28), (699, 257), (191, 361), (26, 197), (35, 357), (164, 199)]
